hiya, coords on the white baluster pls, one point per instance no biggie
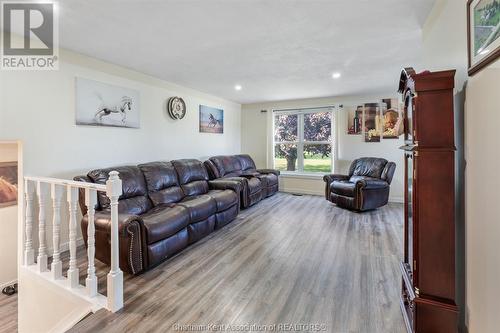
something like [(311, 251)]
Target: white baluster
[(73, 273), (56, 266), (29, 252), (91, 281), (42, 248), (115, 275)]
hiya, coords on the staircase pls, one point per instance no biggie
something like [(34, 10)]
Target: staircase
[(58, 199)]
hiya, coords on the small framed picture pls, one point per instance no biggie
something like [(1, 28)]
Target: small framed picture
[(391, 119), (371, 122), (8, 184), (211, 120), (354, 119), (483, 33)]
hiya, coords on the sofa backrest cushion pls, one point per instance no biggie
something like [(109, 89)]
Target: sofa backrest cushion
[(193, 176), (227, 166), (388, 172), (246, 162), (162, 182), (368, 166), (134, 199)]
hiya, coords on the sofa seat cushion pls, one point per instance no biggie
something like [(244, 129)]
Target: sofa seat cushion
[(223, 198), (254, 185), (343, 187), (200, 207), (271, 179), (164, 221)]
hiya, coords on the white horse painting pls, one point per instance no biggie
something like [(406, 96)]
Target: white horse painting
[(104, 110), (101, 104)]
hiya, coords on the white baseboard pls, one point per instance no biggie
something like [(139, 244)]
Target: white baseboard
[(321, 193), (301, 191), (9, 283), (396, 199)]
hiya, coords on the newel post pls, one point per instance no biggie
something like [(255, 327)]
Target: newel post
[(115, 275)]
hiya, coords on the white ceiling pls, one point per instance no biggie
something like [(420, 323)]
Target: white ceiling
[(275, 49)]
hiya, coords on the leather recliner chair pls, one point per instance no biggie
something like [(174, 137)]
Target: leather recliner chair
[(366, 186), (256, 184), (165, 206)]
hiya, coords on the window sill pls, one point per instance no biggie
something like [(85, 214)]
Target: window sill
[(302, 175)]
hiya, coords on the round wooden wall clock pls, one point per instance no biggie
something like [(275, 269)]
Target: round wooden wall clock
[(176, 107)]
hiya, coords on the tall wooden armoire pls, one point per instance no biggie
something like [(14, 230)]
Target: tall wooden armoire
[(428, 291)]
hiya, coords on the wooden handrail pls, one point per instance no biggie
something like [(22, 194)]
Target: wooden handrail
[(53, 188), (67, 182)]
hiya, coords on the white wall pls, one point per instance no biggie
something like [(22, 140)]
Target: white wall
[(478, 233), (482, 184), (256, 137), (39, 108), (444, 39), (8, 231)]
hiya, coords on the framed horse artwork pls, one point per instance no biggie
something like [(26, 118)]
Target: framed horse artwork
[(211, 120), (102, 104)]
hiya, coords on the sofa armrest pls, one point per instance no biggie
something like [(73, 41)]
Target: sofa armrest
[(370, 184), (213, 172), (225, 184), (130, 238), (249, 175), (266, 171), (330, 179), (235, 184)]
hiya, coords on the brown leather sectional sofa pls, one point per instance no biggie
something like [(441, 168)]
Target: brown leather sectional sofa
[(256, 183), (165, 207)]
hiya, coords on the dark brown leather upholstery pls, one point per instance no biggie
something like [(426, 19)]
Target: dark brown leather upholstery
[(129, 238), (165, 206), (193, 177), (256, 183), (162, 182), (134, 200), (200, 207), (164, 221), (366, 187)]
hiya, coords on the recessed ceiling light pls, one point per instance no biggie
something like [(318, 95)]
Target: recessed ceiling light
[(238, 87), (336, 75)]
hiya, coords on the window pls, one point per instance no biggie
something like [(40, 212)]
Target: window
[(303, 140)]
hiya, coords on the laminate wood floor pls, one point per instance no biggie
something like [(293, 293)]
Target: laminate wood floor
[(289, 260), (8, 313)]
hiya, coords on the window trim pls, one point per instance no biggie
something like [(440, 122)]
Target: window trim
[(300, 112)]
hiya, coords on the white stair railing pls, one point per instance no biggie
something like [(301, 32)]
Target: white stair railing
[(40, 187)]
